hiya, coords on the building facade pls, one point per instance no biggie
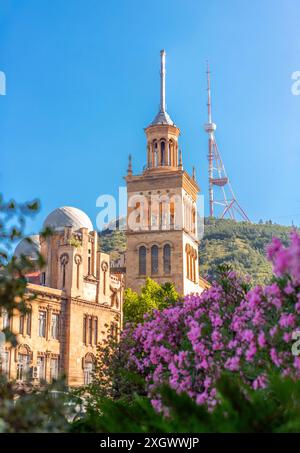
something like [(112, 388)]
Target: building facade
[(162, 240), (78, 295), (76, 300)]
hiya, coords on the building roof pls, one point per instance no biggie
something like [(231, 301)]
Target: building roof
[(68, 216), (162, 118), (29, 247)]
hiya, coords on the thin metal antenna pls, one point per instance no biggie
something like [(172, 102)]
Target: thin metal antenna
[(210, 128), (208, 93), (218, 180)]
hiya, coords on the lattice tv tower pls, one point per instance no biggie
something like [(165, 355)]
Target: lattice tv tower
[(222, 201)]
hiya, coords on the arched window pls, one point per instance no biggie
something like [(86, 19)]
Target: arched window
[(187, 255), (194, 220), (142, 260), (167, 259), (154, 259), (154, 160), (23, 362), (162, 153), (172, 214), (194, 264), (148, 156), (104, 267), (88, 368), (171, 153), (64, 259), (78, 261), (192, 259)]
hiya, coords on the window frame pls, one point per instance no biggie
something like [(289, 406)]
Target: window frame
[(42, 327), (142, 260), (167, 265), (54, 335), (154, 259)]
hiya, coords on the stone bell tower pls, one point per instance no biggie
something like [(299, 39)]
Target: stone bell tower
[(161, 210)]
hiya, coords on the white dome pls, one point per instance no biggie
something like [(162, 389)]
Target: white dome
[(68, 216), (29, 248)]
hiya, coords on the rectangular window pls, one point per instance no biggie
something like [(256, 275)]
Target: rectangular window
[(4, 363), (54, 368), (84, 329), (42, 324), (23, 367), (28, 323), (5, 319), (90, 330), (43, 278), (21, 324), (88, 373), (96, 331), (55, 325), (41, 368)]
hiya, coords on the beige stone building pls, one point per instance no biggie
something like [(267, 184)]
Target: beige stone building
[(162, 240), (78, 295), (76, 300)]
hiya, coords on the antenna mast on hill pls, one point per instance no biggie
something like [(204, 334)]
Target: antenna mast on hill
[(222, 201)]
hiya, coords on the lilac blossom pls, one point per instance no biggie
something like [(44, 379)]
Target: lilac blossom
[(189, 345)]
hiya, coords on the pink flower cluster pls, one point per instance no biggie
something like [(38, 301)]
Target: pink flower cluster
[(228, 327), (286, 260)]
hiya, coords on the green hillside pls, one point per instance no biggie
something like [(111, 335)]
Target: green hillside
[(113, 242), (225, 241), (240, 244)]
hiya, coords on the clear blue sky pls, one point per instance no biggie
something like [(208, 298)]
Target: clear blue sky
[(83, 82)]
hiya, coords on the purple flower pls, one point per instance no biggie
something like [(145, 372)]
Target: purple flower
[(232, 364), (287, 320), (248, 335), (189, 345), (260, 382), (261, 340)]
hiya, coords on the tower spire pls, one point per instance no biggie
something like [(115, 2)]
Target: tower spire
[(162, 117), (163, 80)]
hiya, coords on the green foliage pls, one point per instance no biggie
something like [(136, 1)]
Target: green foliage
[(29, 409), (113, 377), (153, 296), (74, 242), (276, 409)]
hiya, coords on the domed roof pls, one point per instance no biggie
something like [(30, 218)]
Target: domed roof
[(68, 216), (162, 118), (29, 247)]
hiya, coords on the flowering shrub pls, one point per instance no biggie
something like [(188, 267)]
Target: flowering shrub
[(228, 327)]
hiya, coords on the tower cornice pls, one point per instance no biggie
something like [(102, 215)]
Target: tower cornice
[(163, 180), (162, 129)]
